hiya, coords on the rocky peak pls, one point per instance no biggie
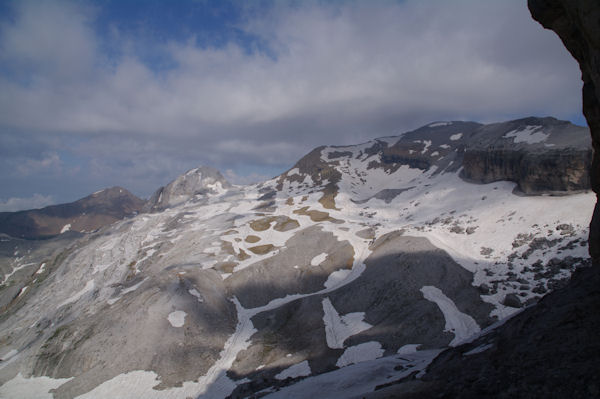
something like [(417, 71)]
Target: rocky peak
[(201, 181)]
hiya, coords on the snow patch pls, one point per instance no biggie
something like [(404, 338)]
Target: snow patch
[(360, 353), (23, 290), (301, 369), (41, 269), (339, 328), (462, 325), (317, 260), (427, 145), (194, 292), (177, 318), (529, 135), (355, 380), (437, 124), (65, 228), (337, 277), (31, 388), (456, 136), (408, 348)]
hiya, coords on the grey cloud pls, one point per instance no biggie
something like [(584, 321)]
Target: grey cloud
[(332, 73), (17, 204)]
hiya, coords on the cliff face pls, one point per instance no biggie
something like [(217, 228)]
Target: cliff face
[(541, 155), (552, 172), (576, 23)]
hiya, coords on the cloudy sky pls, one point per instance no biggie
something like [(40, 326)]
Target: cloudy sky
[(134, 93)]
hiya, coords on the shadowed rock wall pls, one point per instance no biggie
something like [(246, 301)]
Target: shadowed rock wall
[(577, 24)]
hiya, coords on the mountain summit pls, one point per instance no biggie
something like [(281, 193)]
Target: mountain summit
[(201, 181)]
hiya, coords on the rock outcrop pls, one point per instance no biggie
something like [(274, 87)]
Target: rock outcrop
[(541, 155), (87, 214), (576, 23)]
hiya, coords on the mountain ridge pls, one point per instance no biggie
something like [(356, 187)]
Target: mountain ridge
[(86, 214)]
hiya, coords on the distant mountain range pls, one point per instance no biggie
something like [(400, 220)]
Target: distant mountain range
[(349, 272), (85, 215)]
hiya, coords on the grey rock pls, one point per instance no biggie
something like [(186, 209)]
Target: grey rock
[(200, 181), (512, 300)]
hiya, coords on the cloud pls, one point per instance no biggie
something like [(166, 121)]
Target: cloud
[(17, 204), (324, 73), (50, 162), (251, 178)]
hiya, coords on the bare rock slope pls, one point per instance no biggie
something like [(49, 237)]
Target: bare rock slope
[(87, 214)]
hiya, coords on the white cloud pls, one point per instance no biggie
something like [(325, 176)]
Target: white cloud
[(334, 73), (17, 204)]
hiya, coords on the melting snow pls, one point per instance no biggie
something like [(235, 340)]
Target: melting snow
[(408, 348), (317, 260), (177, 318), (65, 228), (355, 380), (436, 124), (197, 294), (22, 291), (427, 145), (529, 135), (337, 328), (360, 353), (41, 269), (31, 388), (301, 369), (462, 325), (337, 277), (456, 136)]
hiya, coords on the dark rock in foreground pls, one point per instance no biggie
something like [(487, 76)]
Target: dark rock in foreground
[(550, 350)]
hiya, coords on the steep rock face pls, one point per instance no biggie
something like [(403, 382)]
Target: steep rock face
[(199, 181), (87, 214), (576, 23), (541, 155)]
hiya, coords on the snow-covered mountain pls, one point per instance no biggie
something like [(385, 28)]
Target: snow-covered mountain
[(354, 268)]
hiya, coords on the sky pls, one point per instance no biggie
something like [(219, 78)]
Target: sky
[(103, 93)]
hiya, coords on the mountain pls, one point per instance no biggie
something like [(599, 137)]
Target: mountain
[(195, 182), (87, 214), (351, 270)]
